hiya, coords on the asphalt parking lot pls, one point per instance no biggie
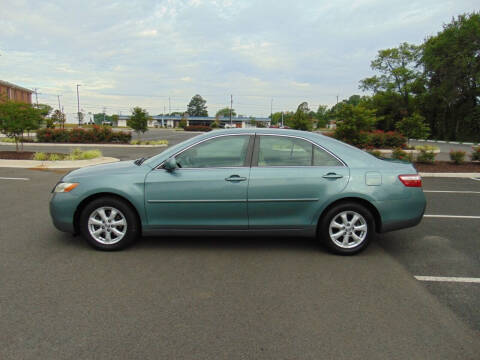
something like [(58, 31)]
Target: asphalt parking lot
[(238, 298)]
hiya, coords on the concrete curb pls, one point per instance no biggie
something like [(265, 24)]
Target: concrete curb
[(86, 145), (446, 142), (451, 175), (62, 164)]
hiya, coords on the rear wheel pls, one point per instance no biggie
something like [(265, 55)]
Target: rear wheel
[(109, 223), (347, 228)]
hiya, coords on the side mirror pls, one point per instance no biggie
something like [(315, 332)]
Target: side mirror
[(170, 164)]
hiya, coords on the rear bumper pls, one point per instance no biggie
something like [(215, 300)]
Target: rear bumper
[(401, 224), (401, 214)]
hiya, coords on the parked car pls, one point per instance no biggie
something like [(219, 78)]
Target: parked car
[(248, 181), (107, 123)]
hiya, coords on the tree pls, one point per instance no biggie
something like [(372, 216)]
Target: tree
[(44, 109), (452, 79), (18, 117), (138, 120), (413, 127), (352, 121), (58, 117), (197, 106), (301, 120), (322, 116), (225, 112), (115, 119), (183, 123), (395, 86)]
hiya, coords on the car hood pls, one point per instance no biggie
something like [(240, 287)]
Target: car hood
[(116, 168)]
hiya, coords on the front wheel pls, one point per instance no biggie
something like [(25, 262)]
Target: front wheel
[(108, 223), (347, 228)]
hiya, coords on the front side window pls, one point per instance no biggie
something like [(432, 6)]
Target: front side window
[(284, 151), (224, 151)]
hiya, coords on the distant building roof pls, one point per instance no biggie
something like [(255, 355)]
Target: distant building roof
[(10, 85)]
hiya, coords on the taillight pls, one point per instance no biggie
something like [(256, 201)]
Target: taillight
[(414, 180)]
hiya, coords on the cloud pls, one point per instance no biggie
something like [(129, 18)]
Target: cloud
[(141, 52)]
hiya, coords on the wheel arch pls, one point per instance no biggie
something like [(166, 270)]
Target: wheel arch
[(88, 199), (367, 204)]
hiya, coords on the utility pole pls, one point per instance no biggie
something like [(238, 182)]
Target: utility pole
[(78, 105), (271, 109), (104, 110), (163, 123), (337, 99), (282, 119), (59, 106), (169, 106), (36, 96), (231, 105)]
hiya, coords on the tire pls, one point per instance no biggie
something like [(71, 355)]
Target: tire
[(109, 223), (340, 234)]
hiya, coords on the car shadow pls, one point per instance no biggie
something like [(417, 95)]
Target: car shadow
[(229, 242)]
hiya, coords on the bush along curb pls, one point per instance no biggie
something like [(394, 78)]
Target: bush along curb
[(85, 145)]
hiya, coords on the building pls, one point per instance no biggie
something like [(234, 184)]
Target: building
[(9, 91), (174, 121)]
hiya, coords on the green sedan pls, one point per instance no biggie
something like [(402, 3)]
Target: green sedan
[(248, 181)]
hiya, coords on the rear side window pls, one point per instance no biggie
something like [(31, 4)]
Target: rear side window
[(322, 158), (290, 151), (284, 151)]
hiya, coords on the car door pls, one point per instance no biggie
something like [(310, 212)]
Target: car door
[(208, 190), (290, 179)]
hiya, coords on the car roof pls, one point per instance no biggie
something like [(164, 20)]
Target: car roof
[(350, 155)]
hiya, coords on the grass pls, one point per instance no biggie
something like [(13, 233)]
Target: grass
[(75, 154), (149, 142)]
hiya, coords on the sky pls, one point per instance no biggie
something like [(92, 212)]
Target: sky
[(268, 54)]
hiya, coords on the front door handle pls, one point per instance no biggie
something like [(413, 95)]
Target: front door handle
[(235, 178), (332, 176)]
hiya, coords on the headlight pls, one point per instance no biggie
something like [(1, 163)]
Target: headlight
[(65, 187)]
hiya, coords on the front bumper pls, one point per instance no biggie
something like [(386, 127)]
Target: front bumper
[(62, 211)]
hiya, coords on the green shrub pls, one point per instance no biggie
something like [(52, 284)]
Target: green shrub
[(197, 128), (375, 153), (78, 154), (399, 154), (475, 153), (427, 154), (41, 156), (95, 134), (90, 154), (457, 156), (12, 140), (183, 123), (55, 157), (7, 140)]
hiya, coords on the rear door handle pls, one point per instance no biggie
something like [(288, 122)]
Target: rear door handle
[(332, 176), (235, 178)]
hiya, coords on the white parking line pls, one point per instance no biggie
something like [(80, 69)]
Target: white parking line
[(448, 279), (452, 216), (453, 192), (12, 178)]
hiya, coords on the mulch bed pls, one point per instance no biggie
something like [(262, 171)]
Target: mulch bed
[(449, 167), (13, 155)]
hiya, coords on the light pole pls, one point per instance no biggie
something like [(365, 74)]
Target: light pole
[(78, 105)]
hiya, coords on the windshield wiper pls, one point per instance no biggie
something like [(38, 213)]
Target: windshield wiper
[(139, 161)]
